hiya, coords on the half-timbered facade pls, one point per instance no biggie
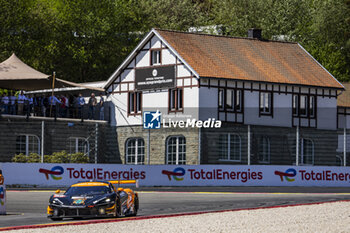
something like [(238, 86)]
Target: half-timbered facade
[(239, 81)]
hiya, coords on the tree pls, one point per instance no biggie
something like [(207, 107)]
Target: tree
[(86, 40)]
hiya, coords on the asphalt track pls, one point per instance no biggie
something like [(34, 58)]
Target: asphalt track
[(28, 207)]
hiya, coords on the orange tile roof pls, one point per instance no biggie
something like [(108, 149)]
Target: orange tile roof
[(248, 59), (343, 100)]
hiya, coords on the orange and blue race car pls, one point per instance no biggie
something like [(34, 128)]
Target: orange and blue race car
[(94, 199)]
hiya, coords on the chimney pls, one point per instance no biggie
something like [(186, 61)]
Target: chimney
[(254, 33)]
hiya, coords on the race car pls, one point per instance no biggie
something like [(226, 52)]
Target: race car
[(94, 199)]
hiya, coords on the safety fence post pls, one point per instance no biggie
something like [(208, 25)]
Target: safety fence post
[(344, 147), (297, 147), (96, 142), (249, 144), (42, 141)]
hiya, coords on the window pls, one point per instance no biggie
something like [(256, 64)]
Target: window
[(238, 102), (230, 100), (156, 57), (307, 152), (266, 103), (264, 149), (27, 144), (135, 151), (304, 106), (221, 99), (229, 105), (295, 105), (135, 103), (312, 106), (79, 145), (176, 150), (230, 147), (175, 99)]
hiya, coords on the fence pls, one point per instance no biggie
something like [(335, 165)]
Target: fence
[(56, 111), (48, 136), (230, 144), (261, 145)]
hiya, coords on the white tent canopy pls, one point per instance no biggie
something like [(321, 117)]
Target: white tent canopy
[(16, 75)]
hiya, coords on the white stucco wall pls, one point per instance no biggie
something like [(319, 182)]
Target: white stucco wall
[(326, 113), (208, 103), (282, 110)]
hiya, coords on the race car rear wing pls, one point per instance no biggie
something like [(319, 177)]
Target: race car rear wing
[(120, 182)]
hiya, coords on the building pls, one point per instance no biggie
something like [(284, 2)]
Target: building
[(269, 95)]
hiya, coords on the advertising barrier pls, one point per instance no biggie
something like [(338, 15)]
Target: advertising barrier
[(46, 175)]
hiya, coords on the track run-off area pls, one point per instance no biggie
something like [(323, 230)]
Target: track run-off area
[(28, 207)]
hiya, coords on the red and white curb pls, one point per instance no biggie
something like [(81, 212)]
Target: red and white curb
[(155, 216)]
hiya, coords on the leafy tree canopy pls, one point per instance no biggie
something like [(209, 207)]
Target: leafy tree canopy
[(86, 40)]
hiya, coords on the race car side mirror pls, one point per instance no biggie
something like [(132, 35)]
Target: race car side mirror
[(58, 191)]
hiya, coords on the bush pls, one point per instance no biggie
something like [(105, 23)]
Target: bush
[(33, 158), (20, 158), (79, 158), (56, 157), (59, 157)]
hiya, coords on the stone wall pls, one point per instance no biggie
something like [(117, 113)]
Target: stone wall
[(158, 139)]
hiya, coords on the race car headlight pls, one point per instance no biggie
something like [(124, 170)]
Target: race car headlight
[(57, 201), (103, 200), (99, 200)]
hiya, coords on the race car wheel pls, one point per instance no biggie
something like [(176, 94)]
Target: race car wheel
[(56, 219), (118, 209), (136, 206)]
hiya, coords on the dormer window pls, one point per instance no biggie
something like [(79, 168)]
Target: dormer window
[(156, 57)]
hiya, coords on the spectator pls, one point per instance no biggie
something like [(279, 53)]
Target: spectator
[(81, 103), (20, 103), (45, 105), (53, 101), (1, 104), (5, 102), (92, 106), (63, 106), (102, 108), (37, 105), (30, 105), (12, 103), (66, 106), (71, 108)]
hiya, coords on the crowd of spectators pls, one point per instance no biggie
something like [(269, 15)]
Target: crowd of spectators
[(72, 106)]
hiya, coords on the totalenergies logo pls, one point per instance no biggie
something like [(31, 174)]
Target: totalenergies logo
[(54, 172), (287, 174), (179, 171), (2, 196)]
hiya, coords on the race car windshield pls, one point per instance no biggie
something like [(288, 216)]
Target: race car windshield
[(91, 190)]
